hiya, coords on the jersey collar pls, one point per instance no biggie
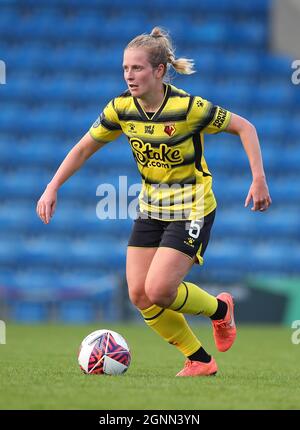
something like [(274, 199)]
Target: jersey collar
[(159, 110)]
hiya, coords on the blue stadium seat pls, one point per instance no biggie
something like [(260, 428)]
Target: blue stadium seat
[(7, 281), (76, 312), (228, 254), (270, 125), (274, 94), (240, 64), (26, 312), (247, 34), (110, 255), (206, 34), (276, 66), (270, 257)]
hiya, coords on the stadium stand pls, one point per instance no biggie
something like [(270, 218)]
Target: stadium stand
[(63, 65)]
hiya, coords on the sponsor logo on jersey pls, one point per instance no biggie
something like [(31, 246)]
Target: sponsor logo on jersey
[(190, 241), (131, 127), (163, 157), (149, 129), (219, 121)]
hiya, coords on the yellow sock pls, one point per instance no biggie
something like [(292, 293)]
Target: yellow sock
[(193, 300), (173, 327)]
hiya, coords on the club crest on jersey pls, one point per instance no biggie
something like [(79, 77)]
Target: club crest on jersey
[(170, 129)]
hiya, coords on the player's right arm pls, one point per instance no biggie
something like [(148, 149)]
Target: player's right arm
[(86, 147), (104, 130)]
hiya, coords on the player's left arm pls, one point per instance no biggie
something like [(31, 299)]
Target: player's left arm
[(258, 191)]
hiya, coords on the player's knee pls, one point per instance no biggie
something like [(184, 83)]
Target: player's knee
[(138, 298), (158, 294)]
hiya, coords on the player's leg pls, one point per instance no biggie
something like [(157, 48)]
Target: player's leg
[(183, 244), (142, 246), (138, 262), (166, 288), (170, 325), (168, 269), (190, 241)]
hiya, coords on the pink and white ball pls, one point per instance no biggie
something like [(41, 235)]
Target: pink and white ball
[(104, 352)]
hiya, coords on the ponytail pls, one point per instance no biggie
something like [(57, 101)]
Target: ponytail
[(161, 51)]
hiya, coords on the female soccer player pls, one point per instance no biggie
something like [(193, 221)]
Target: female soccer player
[(165, 127)]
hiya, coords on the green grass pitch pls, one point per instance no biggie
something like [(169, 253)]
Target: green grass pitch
[(39, 370)]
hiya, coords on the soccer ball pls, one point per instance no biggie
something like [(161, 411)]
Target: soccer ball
[(104, 352)]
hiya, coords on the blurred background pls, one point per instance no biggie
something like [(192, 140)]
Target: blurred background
[(63, 63)]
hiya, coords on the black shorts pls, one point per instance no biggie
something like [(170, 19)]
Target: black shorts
[(189, 237)]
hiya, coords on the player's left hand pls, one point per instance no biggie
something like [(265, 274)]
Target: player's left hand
[(259, 193)]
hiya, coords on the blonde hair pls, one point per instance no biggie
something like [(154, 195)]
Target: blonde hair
[(161, 51)]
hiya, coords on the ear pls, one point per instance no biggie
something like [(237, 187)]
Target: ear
[(160, 71)]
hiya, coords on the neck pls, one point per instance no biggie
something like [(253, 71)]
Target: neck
[(151, 102)]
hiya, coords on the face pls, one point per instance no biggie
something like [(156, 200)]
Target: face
[(142, 79)]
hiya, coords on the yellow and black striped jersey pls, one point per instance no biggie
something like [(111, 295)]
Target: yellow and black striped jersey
[(169, 150)]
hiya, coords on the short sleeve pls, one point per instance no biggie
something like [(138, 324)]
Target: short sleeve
[(205, 117), (107, 126), (219, 122)]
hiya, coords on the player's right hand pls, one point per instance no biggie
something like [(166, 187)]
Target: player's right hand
[(46, 205)]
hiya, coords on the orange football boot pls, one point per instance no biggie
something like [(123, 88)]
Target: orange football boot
[(198, 368), (225, 329)]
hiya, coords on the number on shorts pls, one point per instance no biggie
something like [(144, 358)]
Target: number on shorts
[(195, 228)]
